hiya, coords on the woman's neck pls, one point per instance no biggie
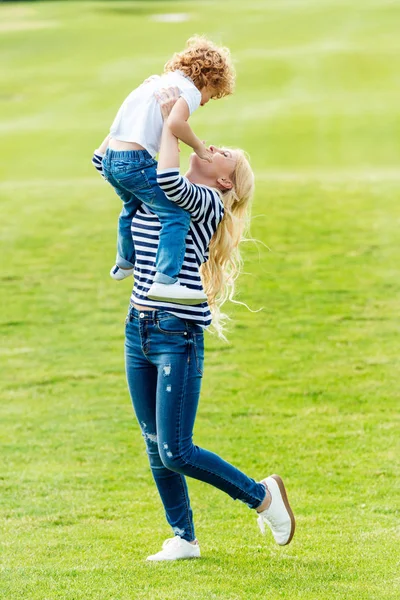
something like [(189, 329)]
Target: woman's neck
[(200, 179)]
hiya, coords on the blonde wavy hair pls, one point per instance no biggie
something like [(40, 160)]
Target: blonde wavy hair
[(206, 64), (225, 263)]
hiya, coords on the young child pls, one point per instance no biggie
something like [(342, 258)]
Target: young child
[(200, 72)]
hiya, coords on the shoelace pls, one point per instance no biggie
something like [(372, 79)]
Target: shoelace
[(261, 523), (276, 525), (169, 541)]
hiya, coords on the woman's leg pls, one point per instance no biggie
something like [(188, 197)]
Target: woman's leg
[(142, 382), (179, 355)]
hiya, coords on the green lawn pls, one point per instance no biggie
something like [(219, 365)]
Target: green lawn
[(308, 387)]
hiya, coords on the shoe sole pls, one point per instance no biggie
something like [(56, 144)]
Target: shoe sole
[(287, 506), (120, 278), (172, 559), (187, 301), (149, 559)]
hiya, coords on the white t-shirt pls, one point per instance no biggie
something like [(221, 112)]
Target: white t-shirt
[(139, 119)]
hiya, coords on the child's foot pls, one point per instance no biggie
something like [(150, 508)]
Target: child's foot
[(278, 516), (118, 273), (176, 548), (174, 292)]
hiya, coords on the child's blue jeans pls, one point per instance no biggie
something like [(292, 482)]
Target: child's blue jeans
[(133, 175), (164, 358)]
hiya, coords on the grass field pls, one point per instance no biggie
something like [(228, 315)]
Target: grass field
[(307, 388)]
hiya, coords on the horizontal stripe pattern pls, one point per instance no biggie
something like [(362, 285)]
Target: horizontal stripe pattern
[(206, 210), (97, 162)]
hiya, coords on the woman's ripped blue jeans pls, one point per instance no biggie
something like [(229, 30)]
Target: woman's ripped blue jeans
[(164, 366)]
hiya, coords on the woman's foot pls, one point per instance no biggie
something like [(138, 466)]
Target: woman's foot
[(267, 500), (177, 548), (278, 516), (118, 273)]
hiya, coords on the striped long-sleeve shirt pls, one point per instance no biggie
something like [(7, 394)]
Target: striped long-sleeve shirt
[(206, 210)]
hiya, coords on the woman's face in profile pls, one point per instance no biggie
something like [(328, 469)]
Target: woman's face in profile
[(222, 165)]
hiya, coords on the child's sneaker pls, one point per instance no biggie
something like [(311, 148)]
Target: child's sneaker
[(174, 292), (118, 273), (175, 549), (278, 516)]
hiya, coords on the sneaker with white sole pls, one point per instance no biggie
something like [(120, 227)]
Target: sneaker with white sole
[(176, 548), (278, 516), (175, 292), (119, 274)]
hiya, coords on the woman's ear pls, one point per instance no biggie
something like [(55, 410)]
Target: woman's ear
[(225, 184)]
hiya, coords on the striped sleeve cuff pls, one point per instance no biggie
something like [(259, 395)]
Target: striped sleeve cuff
[(97, 161), (163, 174), (169, 180)]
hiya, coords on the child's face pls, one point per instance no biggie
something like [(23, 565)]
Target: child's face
[(206, 95)]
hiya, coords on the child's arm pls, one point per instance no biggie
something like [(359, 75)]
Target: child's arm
[(97, 159), (179, 126), (97, 162)]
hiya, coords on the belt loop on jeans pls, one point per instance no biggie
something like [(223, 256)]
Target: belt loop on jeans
[(131, 312)]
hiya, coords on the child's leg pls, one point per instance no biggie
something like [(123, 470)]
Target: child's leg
[(125, 248), (175, 223), (134, 173), (134, 177)]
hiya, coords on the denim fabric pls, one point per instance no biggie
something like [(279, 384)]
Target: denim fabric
[(164, 365), (133, 175)]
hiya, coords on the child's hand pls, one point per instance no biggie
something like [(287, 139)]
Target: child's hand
[(203, 153)]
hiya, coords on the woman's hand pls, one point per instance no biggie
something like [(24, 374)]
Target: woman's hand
[(166, 98)]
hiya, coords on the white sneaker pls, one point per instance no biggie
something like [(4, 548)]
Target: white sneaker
[(118, 273), (176, 548), (278, 516), (174, 292)]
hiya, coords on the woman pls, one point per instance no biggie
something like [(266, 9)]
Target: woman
[(164, 346)]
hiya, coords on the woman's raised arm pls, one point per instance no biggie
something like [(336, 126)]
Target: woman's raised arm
[(203, 203), (168, 157)]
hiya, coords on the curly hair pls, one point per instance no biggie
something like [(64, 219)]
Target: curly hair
[(206, 64)]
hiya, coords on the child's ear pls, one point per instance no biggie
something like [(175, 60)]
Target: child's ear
[(225, 184)]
